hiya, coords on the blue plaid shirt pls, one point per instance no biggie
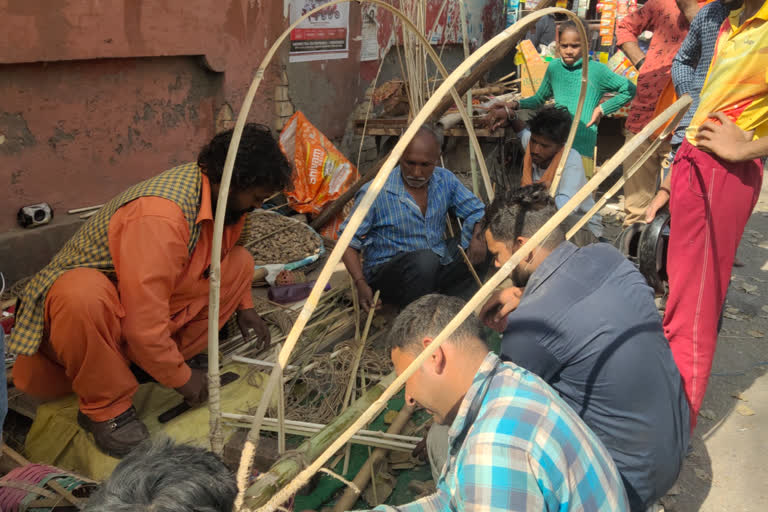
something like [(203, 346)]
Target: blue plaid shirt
[(395, 224), (689, 69), (527, 450)]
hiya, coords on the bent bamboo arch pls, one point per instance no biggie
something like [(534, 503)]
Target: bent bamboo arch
[(213, 362), (353, 224), (216, 435)]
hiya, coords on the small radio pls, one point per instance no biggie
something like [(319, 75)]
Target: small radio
[(34, 215)]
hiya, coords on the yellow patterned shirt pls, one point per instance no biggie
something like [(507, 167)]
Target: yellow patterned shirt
[(737, 81)]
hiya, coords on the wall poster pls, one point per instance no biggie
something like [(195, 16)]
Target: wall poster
[(322, 36)]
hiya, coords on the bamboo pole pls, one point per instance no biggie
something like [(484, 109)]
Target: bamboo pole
[(84, 209), (531, 244), (280, 409), (288, 466), (216, 434), (465, 44), (348, 499), (355, 365), (629, 173)]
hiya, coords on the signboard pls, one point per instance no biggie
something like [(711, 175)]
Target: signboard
[(322, 36)]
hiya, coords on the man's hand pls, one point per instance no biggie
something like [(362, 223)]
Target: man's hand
[(477, 249), (497, 114), (657, 203), (195, 391), (722, 137), (249, 319), (597, 115), (501, 303), (365, 296)]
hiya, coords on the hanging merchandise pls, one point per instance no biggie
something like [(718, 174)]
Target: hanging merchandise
[(562, 4), (581, 9), (513, 8), (607, 22), (621, 65)]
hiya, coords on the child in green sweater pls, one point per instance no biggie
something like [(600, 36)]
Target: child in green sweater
[(563, 82)]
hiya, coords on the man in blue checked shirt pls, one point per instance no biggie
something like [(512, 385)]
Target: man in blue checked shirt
[(402, 239), (513, 443)]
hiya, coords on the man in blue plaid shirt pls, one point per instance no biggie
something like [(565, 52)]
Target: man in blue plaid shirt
[(513, 443), (402, 239)]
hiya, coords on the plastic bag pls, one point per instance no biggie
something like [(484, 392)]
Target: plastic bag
[(321, 173)]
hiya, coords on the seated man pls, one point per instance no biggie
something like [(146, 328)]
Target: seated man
[(401, 238), (513, 444), (584, 320), (544, 141), (131, 286), (163, 477)]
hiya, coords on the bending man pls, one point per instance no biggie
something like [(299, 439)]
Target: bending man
[(131, 287), (513, 444)]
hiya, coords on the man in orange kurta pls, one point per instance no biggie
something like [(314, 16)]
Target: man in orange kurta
[(153, 310)]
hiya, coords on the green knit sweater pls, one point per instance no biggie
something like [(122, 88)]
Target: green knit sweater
[(564, 83)]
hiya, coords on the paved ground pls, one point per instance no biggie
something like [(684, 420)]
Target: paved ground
[(728, 467)]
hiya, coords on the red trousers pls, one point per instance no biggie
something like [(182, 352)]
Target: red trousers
[(710, 204), (84, 351)]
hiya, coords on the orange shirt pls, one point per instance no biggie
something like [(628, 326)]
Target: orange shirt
[(161, 286), (737, 80)]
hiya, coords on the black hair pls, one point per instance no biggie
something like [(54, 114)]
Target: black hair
[(426, 317), (522, 212), (572, 25), (552, 122), (161, 476), (259, 162)]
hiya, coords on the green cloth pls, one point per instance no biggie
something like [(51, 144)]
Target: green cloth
[(564, 83)]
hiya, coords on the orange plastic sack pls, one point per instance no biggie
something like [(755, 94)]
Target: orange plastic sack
[(320, 172)]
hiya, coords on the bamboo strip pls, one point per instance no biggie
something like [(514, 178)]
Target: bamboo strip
[(628, 173), (353, 371), (465, 44), (476, 301), (84, 209), (280, 409), (216, 435), (398, 446), (308, 426)]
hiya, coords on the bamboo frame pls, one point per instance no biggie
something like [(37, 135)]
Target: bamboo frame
[(627, 174), (353, 224), (535, 240), (216, 433)]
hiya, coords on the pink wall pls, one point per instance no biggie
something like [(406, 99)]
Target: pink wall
[(96, 95)]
